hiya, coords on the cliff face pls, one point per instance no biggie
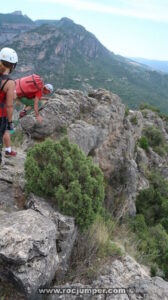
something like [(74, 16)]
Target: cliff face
[(12, 25), (8, 31), (105, 130)]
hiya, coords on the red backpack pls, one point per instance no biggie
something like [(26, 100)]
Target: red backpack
[(27, 86)]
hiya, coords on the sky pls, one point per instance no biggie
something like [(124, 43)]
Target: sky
[(131, 28)]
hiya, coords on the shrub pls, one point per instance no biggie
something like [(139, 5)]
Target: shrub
[(148, 106), (153, 270), (143, 142), (154, 136), (163, 116), (151, 223), (144, 113), (139, 224), (61, 171), (134, 120), (126, 111), (152, 243), (156, 140), (153, 202)]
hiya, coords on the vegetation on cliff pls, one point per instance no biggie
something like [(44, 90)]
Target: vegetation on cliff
[(61, 171), (151, 224)]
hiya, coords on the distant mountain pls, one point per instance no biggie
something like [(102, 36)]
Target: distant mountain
[(157, 65), (42, 22), (13, 24), (69, 56), (14, 18)]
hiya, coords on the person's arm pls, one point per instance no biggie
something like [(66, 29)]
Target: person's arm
[(10, 88), (38, 117)]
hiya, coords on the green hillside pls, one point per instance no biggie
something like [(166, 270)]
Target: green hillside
[(71, 57)]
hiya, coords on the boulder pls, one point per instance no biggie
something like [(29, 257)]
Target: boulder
[(28, 252), (59, 112), (66, 231)]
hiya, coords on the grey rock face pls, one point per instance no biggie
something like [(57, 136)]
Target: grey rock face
[(126, 274), (155, 288), (11, 180), (35, 245), (28, 249), (7, 200), (59, 112), (87, 136), (97, 123), (66, 231), (8, 31)]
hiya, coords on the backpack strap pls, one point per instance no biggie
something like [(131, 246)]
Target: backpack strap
[(5, 76), (4, 84), (35, 83), (2, 77)]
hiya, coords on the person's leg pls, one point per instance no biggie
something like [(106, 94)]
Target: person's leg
[(3, 122), (28, 105), (1, 139), (7, 143), (6, 139), (27, 108)]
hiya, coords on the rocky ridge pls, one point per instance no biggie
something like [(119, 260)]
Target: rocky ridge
[(97, 123), (35, 240)]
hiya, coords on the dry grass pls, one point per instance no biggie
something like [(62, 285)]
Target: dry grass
[(92, 250), (127, 240)]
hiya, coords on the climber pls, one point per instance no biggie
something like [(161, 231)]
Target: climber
[(29, 91), (8, 62)]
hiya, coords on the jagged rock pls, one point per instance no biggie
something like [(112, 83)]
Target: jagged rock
[(151, 288), (152, 119), (7, 200), (103, 120), (59, 112), (142, 165), (66, 230), (13, 167), (136, 128), (123, 274), (85, 135), (98, 125), (28, 249), (35, 245)]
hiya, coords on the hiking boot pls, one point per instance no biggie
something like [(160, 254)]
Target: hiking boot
[(22, 113), (9, 154)]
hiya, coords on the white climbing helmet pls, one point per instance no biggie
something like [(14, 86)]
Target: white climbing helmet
[(49, 87), (9, 55)]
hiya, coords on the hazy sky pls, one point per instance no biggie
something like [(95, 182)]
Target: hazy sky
[(133, 28)]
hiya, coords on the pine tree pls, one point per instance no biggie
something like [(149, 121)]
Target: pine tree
[(60, 170)]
